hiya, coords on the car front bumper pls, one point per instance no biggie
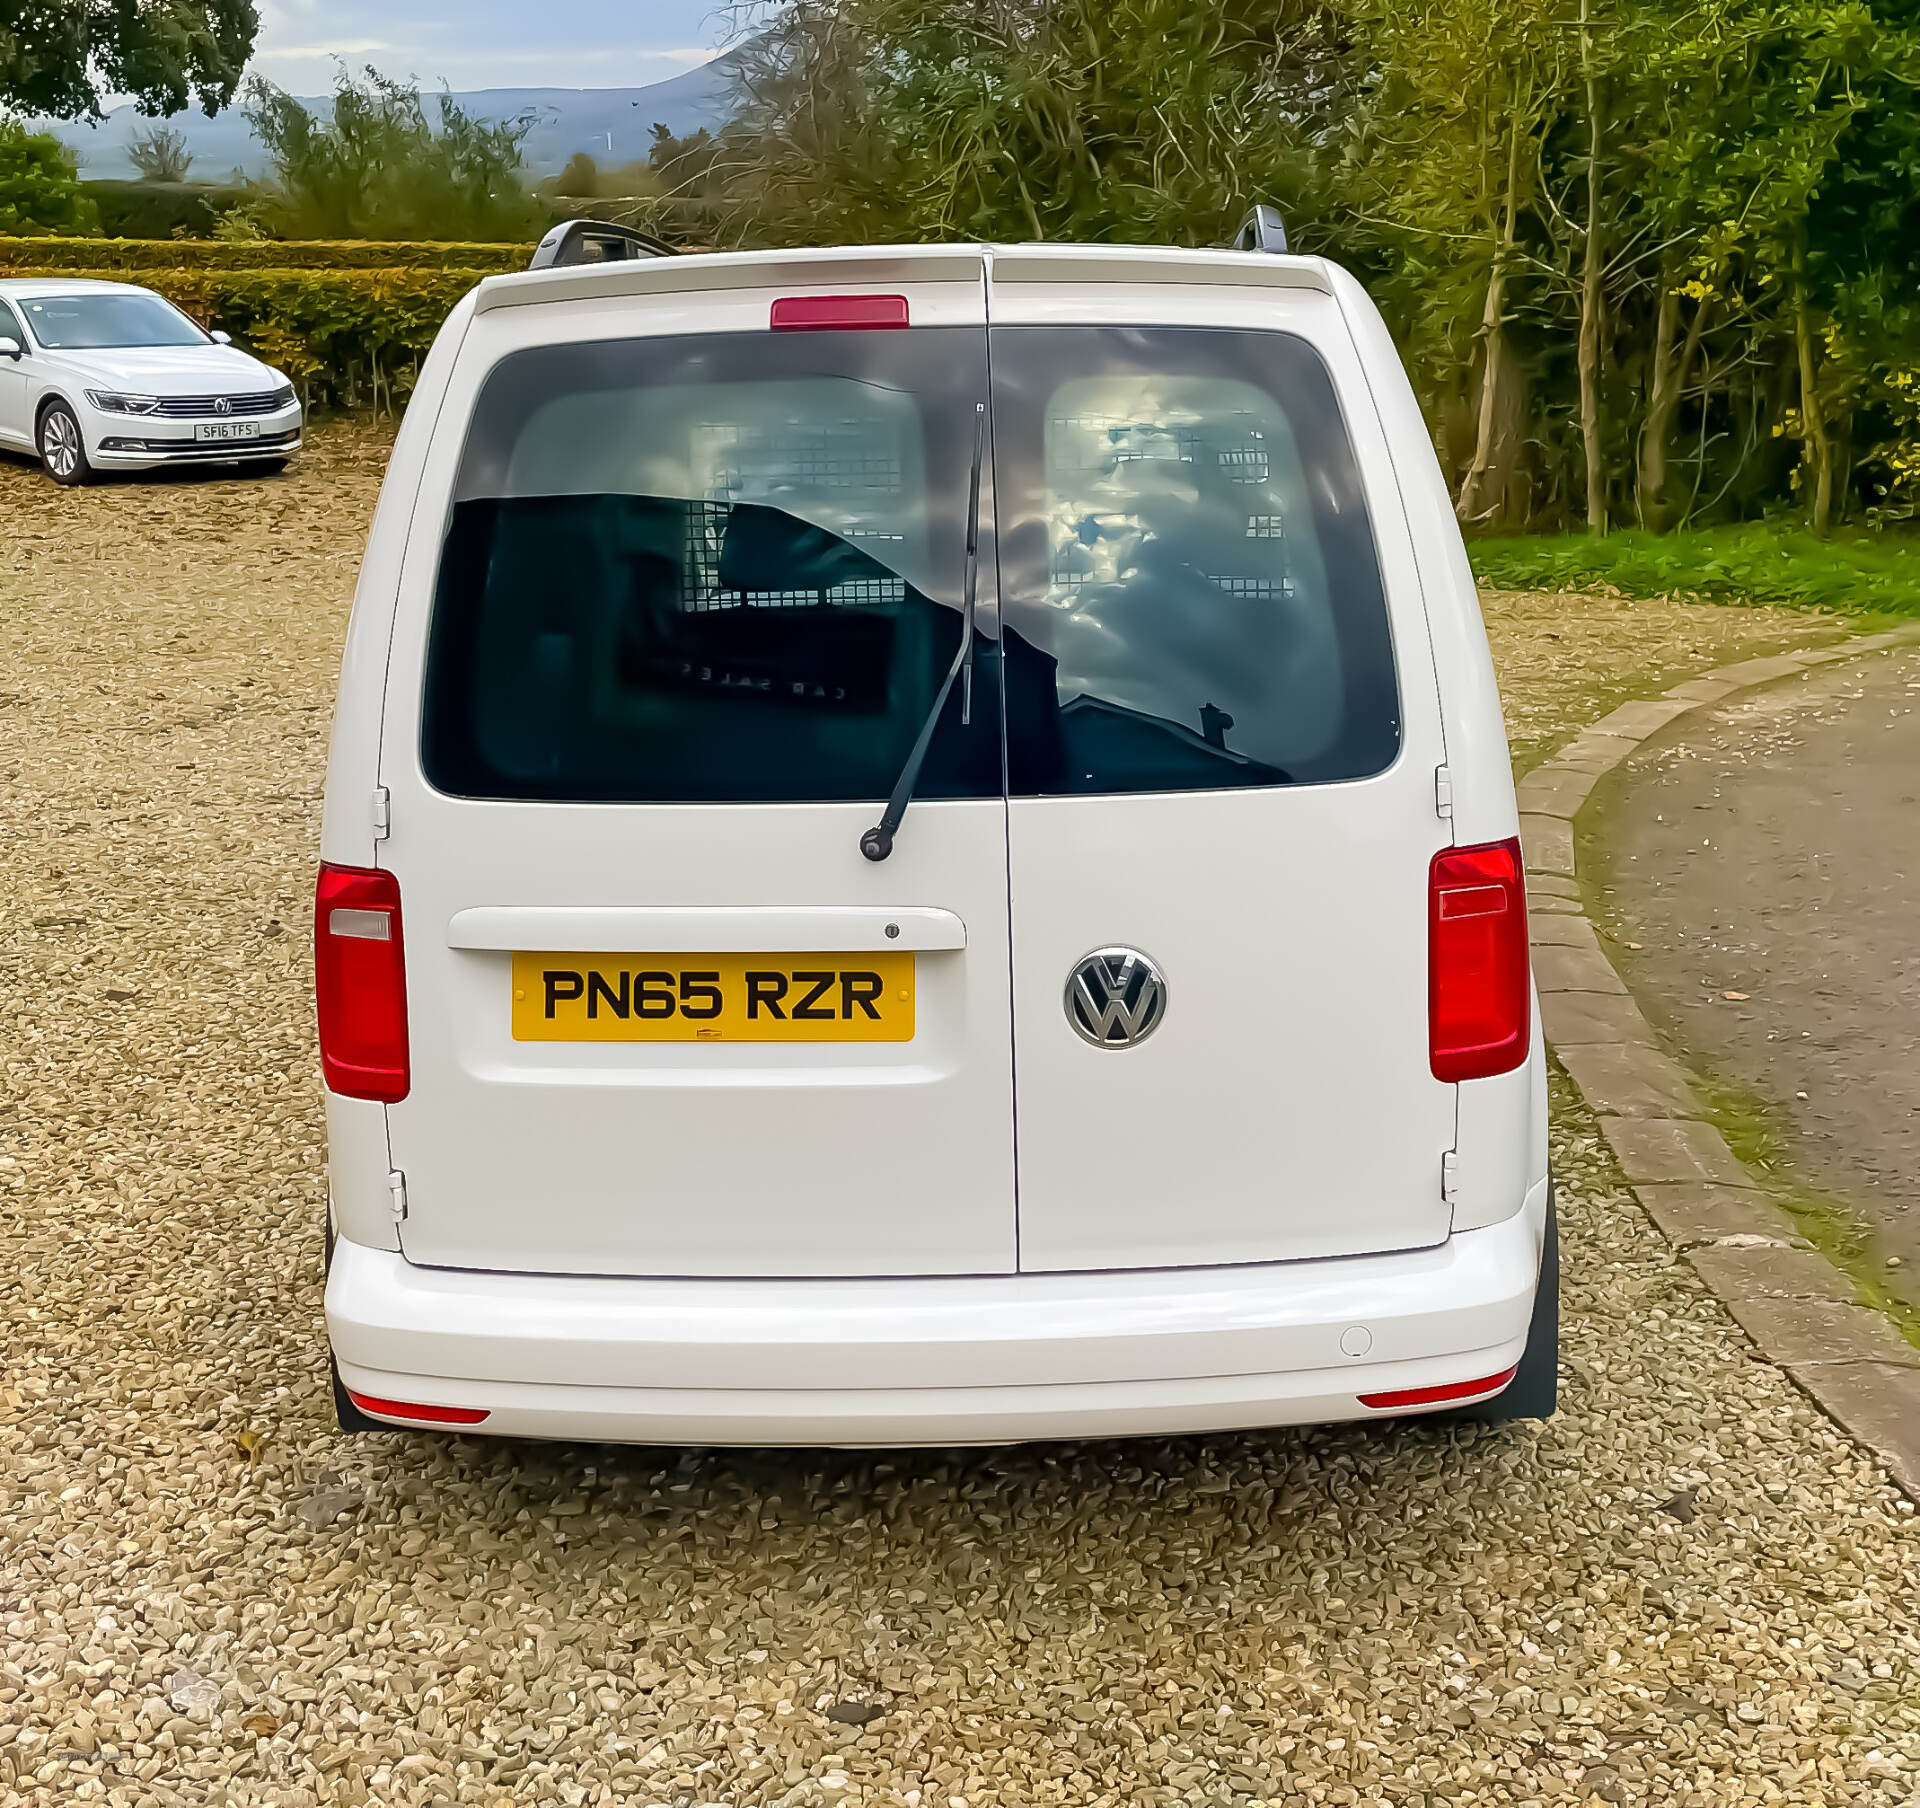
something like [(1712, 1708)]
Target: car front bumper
[(141, 442), (970, 1360)]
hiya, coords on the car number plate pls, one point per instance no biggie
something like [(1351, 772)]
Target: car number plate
[(713, 997), (227, 430)]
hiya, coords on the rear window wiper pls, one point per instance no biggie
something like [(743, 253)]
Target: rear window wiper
[(877, 842)]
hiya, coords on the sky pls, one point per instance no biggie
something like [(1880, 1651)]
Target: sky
[(489, 43)]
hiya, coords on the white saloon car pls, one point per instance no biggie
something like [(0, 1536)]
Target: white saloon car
[(103, 376), (919, 849)]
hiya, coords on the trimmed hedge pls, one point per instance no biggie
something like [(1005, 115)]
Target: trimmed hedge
[(349, 323), (107, 256)]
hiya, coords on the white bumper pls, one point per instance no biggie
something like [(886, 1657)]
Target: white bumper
[(979, 1360), (143, 442)]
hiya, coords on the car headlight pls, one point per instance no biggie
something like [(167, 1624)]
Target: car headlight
[(110, 402), (285, 396)]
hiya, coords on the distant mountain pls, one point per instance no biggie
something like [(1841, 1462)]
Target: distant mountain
[(566, 120)]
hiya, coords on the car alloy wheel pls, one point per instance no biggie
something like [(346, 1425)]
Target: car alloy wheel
[(61, 449)]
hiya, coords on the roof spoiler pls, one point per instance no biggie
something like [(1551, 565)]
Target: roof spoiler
[(595, 242), (1262, 230)]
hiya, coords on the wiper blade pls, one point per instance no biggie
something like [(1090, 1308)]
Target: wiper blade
[(877, 842)]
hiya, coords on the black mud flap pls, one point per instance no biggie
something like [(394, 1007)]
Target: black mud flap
[(1534, 1391)]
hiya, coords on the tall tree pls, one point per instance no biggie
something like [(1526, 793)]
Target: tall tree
[(59, 57)]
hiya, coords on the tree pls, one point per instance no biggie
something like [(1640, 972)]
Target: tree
[(376, 169), (39, 191), (160, 154), (581, 176), (58, 57)]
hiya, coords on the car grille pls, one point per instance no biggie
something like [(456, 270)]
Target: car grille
[(206, 407)]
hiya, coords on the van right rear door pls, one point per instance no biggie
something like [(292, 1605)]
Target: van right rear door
[(1223, 733)]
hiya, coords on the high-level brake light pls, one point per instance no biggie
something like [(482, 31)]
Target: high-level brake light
[(1479, 1006), (360, 983), (823, 313)]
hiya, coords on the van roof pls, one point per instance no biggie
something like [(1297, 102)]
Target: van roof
[(866, 264)]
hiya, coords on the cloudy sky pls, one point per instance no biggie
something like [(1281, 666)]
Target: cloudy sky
[(490, 43)]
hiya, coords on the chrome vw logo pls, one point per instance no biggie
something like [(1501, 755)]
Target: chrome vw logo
[(222, 405), (1116, 997)]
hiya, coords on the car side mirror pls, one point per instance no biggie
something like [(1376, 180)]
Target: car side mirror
[(220, 338), (10, 348)]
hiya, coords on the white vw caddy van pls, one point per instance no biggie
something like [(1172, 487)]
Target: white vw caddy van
[(919, 850)]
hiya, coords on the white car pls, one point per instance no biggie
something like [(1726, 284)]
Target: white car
[(103, 376), (958, 867)]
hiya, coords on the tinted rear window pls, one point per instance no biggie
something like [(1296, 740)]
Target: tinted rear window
[(718, 568), (1189, 592)]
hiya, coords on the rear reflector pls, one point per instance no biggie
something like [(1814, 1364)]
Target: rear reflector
[(822, 313), (1478, 1000), (360, 983), (1439, 1396), (425, 1415)]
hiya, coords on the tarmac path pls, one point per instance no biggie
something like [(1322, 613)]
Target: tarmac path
[(1759, 867)]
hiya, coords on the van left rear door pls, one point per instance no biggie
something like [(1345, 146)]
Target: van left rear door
[(673, 617)]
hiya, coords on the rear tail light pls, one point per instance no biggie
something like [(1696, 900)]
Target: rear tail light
[(1440, 1396), (823, 313), (360, 983), (421, 1415), (1478, 999)]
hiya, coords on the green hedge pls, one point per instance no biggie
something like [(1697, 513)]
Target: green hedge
[(349, 322), (109, 256)]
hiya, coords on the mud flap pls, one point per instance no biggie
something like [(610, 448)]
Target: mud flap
[(1535, 1391)]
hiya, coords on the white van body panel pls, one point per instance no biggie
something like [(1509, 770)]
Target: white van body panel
[(1135, 1263)]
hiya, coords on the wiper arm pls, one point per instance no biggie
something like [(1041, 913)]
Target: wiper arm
[(877, 842)]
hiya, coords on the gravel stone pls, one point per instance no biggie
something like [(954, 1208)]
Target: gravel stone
[(1413, 1614)]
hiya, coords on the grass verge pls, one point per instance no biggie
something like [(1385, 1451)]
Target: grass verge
[(1755, 562)]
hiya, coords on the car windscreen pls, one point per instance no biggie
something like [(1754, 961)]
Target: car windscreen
[(1189, 592), (713, 568), (108, 322)]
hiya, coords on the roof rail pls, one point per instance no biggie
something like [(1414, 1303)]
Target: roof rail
[(595, 242), (1262, 230)]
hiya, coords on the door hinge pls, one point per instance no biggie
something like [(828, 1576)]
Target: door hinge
[(1442, 791), (397, 1192), (382, 812), (1450, 1177)]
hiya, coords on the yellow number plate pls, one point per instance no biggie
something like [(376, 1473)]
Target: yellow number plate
[(713, 998)]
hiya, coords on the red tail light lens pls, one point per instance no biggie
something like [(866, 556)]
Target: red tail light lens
[(822, 313), (1478, 1000), (360, 983), (1439, 1396), (423, 1415)]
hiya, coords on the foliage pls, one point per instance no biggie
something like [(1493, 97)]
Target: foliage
[(375, 168), (160, 154), (127, 258), (1649, 260), (39, 191), (59, 57), (1753, 562), (581, 176), (138, 209)]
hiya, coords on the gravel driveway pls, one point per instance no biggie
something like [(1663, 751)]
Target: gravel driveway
[(1688, 1588)]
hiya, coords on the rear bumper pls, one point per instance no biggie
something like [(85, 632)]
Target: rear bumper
[(988, 1360)]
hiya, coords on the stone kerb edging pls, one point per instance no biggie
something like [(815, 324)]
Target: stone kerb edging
[(1798, 1308)]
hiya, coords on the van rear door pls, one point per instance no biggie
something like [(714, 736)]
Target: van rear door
[(1222, 742), (679, 601)]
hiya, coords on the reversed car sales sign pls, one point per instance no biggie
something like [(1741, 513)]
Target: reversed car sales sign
[(713, 998)]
